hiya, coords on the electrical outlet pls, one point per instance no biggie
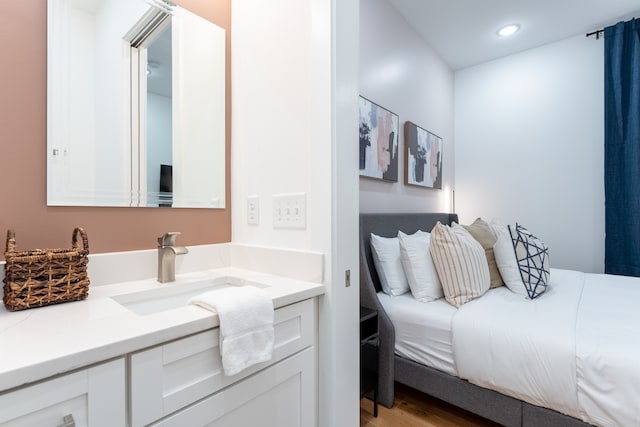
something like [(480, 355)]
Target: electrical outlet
[(253, 210), (290, 210)]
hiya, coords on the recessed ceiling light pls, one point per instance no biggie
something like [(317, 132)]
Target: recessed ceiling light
[(508, 30)]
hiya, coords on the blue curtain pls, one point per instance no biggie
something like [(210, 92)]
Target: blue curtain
[(622, 148)]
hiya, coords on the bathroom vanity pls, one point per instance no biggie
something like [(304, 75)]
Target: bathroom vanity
[(135, 354)]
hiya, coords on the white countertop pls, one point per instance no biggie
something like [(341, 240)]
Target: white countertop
[(41, 342)]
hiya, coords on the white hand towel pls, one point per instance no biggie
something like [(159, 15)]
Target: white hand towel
[(246, 325)]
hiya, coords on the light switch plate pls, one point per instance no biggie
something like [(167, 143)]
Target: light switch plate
[(290, 210), (253, 210)]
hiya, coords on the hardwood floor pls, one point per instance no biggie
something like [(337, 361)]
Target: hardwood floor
[(415, 409)]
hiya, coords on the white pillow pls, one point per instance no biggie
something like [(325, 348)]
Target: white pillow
[(461, 263), (506, 260), (418, 266), (385, 252)]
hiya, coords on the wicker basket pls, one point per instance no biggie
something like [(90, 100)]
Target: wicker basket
[(45, 276)]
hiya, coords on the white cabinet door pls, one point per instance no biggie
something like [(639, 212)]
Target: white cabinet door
[(169, 377), (92, 397), (282, 395)]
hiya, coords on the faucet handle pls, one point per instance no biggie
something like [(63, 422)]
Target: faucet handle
[(168, 239)]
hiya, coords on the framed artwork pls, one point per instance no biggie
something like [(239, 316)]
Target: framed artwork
[(378, 142), (423, 157)]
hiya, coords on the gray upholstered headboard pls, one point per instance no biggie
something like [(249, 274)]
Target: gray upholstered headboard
[(387, 225)]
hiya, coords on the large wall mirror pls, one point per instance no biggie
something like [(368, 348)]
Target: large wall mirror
[(135, 105)]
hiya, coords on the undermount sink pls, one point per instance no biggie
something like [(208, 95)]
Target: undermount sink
[(173, 296)]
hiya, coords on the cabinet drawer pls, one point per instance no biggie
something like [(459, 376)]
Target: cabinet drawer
[(171, 376), (280, 396), (93, 397)]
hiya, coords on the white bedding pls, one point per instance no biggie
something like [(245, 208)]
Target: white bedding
[(575, 349), (423, 330), (608, 351), (522, 348)]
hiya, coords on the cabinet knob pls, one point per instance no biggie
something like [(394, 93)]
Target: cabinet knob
[(68, 421)]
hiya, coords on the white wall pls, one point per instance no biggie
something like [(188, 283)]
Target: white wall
[(400, 72), (529, 147), (294, 100), (273, 147)]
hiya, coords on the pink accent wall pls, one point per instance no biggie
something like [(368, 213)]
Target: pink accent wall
[(23, 142)]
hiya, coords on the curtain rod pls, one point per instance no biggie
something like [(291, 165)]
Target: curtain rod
[(600, 33), (597, 33)]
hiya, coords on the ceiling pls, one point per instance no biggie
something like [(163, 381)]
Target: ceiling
[(159, 76), (463, 32)]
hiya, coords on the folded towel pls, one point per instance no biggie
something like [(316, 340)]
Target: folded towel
[(246, 325)]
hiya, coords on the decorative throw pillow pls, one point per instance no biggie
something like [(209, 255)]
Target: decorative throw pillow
[(533, 260), (385, 252), (516, 252), (482, 232), (460, 262), (418, 266)]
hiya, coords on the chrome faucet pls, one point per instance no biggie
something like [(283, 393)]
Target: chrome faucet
[(167, 251)]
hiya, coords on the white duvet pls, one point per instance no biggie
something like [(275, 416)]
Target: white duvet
[(575, 349)]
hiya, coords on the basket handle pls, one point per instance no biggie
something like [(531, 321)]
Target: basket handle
[(85, 241), (11, 241)]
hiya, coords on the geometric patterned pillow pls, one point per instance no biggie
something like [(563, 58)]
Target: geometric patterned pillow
[(533, 260)]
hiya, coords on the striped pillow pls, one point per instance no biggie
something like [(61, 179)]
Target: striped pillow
[(461, 263)]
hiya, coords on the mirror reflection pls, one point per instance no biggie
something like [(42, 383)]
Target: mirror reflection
[(136, 105), (159, 148)]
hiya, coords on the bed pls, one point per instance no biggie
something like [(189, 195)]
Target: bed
[(473, 357)]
